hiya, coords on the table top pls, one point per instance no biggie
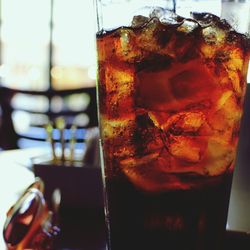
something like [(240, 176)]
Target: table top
[(88, 229)]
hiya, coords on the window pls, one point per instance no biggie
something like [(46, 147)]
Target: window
[(25, 44)]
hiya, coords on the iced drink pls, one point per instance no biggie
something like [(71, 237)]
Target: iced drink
[(171, 91)]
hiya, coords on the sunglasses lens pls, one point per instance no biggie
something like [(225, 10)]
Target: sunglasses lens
[(20, 220)]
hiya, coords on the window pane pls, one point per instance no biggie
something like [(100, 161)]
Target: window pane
[(74, 44), (25, 36)]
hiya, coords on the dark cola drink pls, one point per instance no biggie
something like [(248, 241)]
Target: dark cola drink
[(171, 92)]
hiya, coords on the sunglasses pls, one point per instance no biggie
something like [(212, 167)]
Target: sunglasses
[(30, 224)]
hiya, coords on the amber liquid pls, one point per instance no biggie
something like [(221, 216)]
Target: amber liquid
[(177, 220), (170, 103)]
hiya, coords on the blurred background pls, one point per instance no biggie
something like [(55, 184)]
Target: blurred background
[(47, 62), (48, 70), (47, 59), (26, 34)]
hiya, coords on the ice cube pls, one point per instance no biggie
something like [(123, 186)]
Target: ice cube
[(209, 49), (178, 45), (147, 137), (106, 47), (223, 99), (122, 151), (119, 45), (237, 83), (193, 82), (235, 60), (204, 18), (189, 122), (220, 156), (159, 12), (119, 78), (119, 89), (168, 34), (146, 174), (176, 87), (166, 16), (226, 115), (121, 128), (139, 21), (146, 39), (154, 62), (220, 38), (127, 49), (210, 20), (118, 135), (119, 105), (188, 26), (188, 149), (158, 118), (138, 161), (239, 41), (168, 39), (214, 35), (154, 91), (236, 68)]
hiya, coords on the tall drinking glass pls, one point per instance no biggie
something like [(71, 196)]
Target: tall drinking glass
[(170, 97)]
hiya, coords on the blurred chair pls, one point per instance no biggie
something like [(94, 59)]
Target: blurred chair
[(26, 113), (8, 136)]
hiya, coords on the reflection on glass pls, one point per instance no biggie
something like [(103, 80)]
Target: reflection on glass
[(22, 219)]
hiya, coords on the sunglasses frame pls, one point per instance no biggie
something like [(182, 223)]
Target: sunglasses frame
[(43, 227)]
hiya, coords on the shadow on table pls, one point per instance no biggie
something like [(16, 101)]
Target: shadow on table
[(81, 229), (84, 229), (88, 233), (237, 240)]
